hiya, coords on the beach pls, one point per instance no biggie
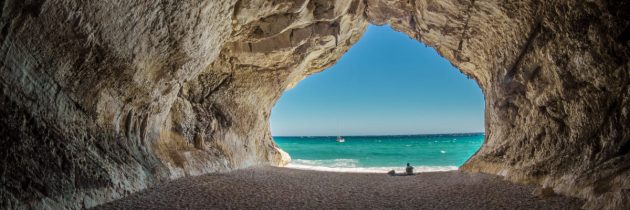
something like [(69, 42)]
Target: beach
[(286, 188)]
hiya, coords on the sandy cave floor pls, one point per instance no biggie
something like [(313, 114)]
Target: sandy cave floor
[(284, 188)]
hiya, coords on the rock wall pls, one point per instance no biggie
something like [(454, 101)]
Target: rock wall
[(556, 78), (104, 98)]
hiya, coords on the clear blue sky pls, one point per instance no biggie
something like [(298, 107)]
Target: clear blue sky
[(387, 83)]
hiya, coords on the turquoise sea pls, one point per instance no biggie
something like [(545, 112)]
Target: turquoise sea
[(436, 152)]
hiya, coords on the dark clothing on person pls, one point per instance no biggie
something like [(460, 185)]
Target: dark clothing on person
[(409, 169)]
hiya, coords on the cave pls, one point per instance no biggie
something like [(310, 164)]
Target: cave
[(103, 99)]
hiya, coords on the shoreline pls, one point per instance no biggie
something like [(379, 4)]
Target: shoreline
[(375, 170), (285, 188)]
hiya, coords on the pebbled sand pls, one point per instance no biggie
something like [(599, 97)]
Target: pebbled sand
[(284, 188)]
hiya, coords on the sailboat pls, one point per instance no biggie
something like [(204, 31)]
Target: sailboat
[(340, 139)]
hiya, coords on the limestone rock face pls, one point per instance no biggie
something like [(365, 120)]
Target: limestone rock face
[(555, 75), (100, 99)]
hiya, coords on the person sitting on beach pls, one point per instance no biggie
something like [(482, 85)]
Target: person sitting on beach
[(409, 169)]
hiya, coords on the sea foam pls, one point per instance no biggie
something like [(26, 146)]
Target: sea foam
[(349, 166)]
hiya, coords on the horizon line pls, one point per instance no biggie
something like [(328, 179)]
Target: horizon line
[(425, 134)]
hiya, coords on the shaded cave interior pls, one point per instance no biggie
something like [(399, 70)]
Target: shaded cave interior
[(102, 99)]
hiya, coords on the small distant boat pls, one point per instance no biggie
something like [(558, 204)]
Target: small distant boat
[(340, 139)]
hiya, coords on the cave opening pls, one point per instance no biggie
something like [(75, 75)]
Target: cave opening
[(104, 99), (392, 99)]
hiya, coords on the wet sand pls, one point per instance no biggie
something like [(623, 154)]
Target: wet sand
[(284, 188)]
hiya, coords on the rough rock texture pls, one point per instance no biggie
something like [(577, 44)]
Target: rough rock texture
[(555, 75), (100, 99)]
